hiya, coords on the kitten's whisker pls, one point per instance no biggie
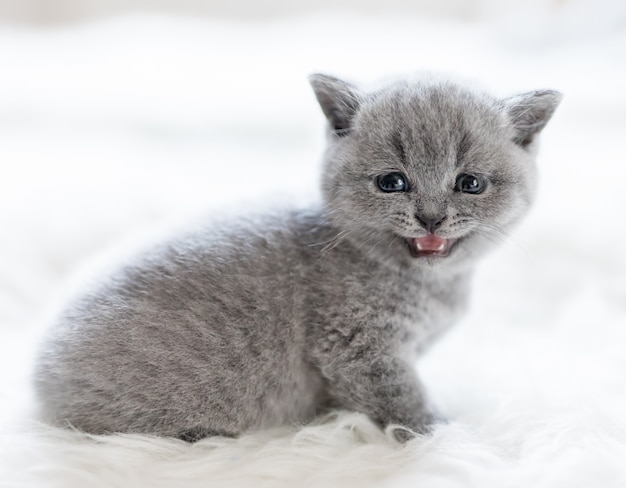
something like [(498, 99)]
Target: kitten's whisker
[(332, 239), (369, 239), (501, 236), (334, 242), (384, 238)]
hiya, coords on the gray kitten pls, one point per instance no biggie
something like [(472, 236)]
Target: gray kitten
[(268, 320)]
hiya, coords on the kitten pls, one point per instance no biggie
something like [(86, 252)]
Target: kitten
[(268, 320)]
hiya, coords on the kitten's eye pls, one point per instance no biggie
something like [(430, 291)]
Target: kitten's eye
[(392, 182), (467, 183)]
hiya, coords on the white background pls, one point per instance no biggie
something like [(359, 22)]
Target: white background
[(113, 124)]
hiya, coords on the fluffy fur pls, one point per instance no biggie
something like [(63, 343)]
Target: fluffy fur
[(271, 319)]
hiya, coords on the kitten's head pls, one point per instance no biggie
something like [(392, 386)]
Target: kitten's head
[(428, 172)]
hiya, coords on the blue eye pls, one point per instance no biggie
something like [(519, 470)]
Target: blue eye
[(392, 182), (473, 184)]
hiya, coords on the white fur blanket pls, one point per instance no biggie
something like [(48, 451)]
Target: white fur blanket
[(110, 128)]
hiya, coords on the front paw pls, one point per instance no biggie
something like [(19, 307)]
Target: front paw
[(403, 433)]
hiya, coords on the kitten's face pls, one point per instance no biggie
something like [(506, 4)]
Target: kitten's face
[(428, 173)]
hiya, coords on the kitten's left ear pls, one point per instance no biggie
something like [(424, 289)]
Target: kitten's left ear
[(530, 112), (339, 101)]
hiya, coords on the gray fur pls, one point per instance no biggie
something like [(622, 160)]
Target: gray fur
[(270, 319)]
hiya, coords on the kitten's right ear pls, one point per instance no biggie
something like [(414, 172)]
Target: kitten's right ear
[(339, 101)]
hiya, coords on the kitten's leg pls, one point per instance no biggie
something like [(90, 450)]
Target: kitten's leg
[(385, 388)]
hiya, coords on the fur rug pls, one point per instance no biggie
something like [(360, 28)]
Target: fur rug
[(112, 129)]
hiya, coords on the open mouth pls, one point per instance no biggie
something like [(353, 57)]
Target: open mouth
[(430, 246)]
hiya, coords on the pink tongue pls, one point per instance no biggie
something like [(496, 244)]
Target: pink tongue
[(430, 243)]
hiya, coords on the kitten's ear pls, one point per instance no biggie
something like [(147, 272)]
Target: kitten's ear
[(339, 101), (530, 112)]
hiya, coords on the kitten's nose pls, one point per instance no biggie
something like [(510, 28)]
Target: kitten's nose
[(429, 222)]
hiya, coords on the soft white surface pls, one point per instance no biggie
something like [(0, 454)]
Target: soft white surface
[(109, 129)]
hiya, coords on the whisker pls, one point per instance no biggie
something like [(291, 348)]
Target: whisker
[(334, 242), (377, 243), (501, 236)]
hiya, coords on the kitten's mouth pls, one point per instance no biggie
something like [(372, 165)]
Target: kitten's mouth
[(430, 246)]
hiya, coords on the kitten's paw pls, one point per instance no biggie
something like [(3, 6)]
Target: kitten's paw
[(404, 434), (199, 433)]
